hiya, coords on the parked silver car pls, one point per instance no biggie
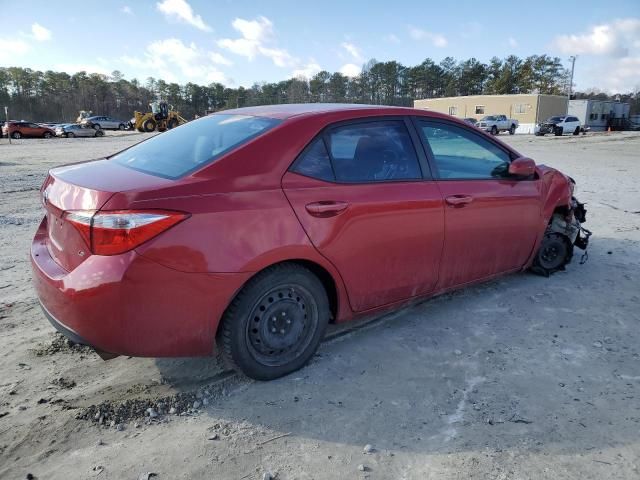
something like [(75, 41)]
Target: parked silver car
[(71, 130), (106, 123)]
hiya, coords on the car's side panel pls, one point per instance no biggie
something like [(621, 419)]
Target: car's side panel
[(386, 243), (492, 234)]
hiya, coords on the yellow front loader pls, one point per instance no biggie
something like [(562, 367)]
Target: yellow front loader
[(159, 118)]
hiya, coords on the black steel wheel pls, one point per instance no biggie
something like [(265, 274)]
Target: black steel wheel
[(554, 253), (275, 324)]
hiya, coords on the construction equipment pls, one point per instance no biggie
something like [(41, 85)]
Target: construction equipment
[(83, 114), (161, 117)]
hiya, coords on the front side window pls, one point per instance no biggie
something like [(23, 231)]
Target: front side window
[(461, 154), (177, 152), (373, 152)]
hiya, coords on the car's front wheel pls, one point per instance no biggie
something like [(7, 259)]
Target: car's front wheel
[(494, 130), (554, 253), (16, 135), (275, 323)]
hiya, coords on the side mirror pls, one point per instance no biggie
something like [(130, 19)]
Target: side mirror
[(522, 167)]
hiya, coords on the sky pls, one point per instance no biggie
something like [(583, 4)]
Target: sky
[(243, 42)]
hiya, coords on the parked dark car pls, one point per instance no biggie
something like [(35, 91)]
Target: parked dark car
[(471, 121), (26, 129), (252, 229)]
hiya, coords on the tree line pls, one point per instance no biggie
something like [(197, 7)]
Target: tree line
[(58, 96)]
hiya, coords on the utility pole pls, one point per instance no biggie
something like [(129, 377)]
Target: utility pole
[(6, 114), (573, 65)]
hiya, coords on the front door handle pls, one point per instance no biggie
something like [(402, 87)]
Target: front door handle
[(458, 200), (326, 208)]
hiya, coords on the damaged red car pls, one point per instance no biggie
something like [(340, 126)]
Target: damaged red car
[(252, 229)]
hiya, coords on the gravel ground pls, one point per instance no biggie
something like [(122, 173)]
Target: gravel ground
[(522, 377)]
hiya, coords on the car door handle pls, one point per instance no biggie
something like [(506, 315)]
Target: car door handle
[(458, 200), (326, 208)]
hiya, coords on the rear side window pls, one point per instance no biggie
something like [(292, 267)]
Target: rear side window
[(177, 152), (314, 162), (373, 152)]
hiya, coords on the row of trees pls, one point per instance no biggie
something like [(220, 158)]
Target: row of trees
[(58, 96)]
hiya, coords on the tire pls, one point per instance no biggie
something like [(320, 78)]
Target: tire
[(16, 135), (99, 133), (46, 135), (95, 126), (494, 130), (512, 130), (149, 125), (275, 323), (121, 126), (576, 131), (71, 135), (539, 134), (554, 254), (173, 123), (558, 132)]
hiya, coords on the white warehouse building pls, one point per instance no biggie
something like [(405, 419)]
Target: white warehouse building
[(599, 115)]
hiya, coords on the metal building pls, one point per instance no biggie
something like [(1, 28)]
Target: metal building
[(599, 115), (528, 109)]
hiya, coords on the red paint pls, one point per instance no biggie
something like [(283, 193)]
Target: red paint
[(382, 244)]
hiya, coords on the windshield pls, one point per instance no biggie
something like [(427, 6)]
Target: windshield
[(555, 119), (488, 118), (177, 152)]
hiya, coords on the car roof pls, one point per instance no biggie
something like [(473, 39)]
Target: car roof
[(284, 111)]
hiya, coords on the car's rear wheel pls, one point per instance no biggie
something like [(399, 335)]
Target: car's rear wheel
[(96, 126), (512, 130), (99, 133), (494, 130), (71, 135), (275, 323), (554, 253), (121, 126), (16, 135), (47, 135)]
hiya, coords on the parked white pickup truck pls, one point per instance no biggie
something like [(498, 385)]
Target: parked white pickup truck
[(498, 123)]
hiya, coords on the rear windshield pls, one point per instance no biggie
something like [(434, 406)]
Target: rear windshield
[(177, 152)]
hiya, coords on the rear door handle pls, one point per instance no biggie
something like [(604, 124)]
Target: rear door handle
[(326, 208), (458, 200)]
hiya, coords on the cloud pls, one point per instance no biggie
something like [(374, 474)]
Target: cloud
[(40, 33), (307, 71), (513, 43), (610, 55), (350, 70), (437, 39), (391, 38), (182, 11), (613, 39), (172, 60), (352, 50), (219, 59), (257, 39), (12, 50), (127, 10)]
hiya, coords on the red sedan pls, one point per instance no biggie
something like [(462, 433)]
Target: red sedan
[(254, 228)]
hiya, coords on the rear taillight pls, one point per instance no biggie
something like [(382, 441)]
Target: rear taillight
[(115, 232)]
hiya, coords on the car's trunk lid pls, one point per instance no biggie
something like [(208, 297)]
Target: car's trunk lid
[(83, 187)]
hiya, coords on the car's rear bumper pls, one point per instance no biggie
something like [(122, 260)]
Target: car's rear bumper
[(130, 305)]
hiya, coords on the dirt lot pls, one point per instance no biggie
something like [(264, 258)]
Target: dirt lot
[(524, 377)]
